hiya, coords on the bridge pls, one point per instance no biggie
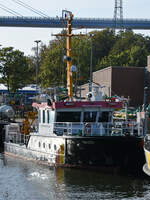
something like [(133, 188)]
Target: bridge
[(56, 22)]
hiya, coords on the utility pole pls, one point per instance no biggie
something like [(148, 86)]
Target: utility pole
[(91, 65), (37, 61)]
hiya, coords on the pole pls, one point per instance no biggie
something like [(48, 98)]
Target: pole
[(37, 61), (91, 66), (145, 101), (69, 62), (67, 15)]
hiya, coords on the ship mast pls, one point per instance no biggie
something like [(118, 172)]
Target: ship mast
[(69, 16)]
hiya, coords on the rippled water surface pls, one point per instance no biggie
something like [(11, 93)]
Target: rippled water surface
[(24, 180)]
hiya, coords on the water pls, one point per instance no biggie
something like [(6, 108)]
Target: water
[(24, 180)]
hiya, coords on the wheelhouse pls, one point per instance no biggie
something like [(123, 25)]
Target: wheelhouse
[(74, 117)]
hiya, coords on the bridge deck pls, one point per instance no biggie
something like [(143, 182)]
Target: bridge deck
[(91, 23)]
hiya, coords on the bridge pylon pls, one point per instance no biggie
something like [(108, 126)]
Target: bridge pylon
[(118, 15)]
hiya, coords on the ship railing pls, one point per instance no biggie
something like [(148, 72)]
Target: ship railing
[(17, 138), (128, 128), (13, 134), (98, 129)]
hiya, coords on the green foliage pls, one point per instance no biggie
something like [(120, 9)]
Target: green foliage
[(52, 67), (108, 49), (103, 42), (138, 56), (129, 50), (13, 68)]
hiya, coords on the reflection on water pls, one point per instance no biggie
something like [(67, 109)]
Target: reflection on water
[(22, 180)]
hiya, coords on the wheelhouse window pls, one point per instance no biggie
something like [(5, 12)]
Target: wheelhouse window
[(48, 116), (68, 116), (52, 116), (89, 116), (39, 117), (104, 117)]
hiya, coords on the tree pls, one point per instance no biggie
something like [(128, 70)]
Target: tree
[(129, 50), (138, 56), (103, 42), (13, 68), (122, 49)]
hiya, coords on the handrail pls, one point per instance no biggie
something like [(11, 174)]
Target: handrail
[(83, 130), (98, 129), (18, 138)]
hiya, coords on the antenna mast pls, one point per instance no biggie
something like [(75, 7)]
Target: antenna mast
[(69, 16)]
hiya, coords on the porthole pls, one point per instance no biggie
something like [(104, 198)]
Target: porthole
[(39, 144), (55, 147), (43, 145)]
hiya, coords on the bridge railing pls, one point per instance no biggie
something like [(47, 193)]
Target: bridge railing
[(53, 22)]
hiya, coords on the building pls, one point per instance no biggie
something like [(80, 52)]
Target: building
[(128, 82)]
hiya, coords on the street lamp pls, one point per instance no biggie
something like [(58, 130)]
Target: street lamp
[(37, 61)]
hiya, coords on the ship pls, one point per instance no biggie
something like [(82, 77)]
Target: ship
[(146, 166), (79, 134)]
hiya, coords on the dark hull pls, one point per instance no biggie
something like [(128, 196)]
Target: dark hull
[(122, 153)]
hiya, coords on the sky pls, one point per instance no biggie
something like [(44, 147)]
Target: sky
[(23, 38)]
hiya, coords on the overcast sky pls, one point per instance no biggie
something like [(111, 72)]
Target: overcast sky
[(23, 38)]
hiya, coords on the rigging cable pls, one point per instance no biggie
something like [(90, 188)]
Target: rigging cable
[(9, 10), (13, 12), (30, 8)]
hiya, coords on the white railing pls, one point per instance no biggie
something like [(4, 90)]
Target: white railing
[(18, 138), (84, 129), (98, 129)]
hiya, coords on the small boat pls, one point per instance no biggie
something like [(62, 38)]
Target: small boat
[(73, 133), (146, 167)]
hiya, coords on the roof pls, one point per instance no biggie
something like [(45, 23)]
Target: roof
[(80, 104), (29, 88), (2, 87)]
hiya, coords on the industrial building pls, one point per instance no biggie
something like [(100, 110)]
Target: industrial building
[(127, 82)]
